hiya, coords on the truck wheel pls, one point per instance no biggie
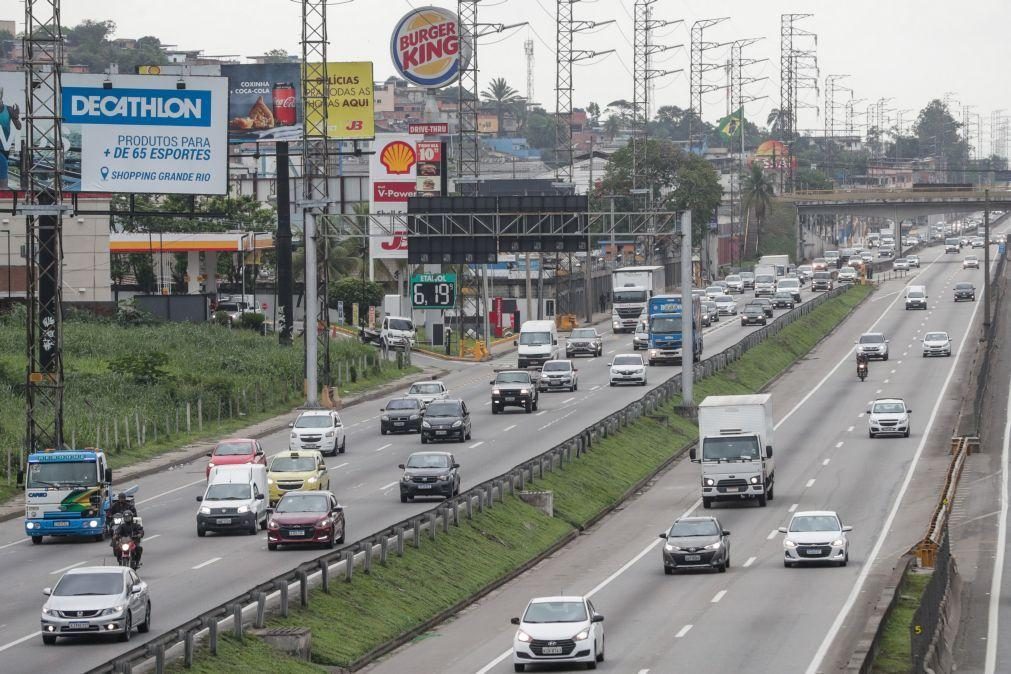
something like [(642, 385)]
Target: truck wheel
[(201, 532), (772, 491), (761, 501), (494, 409), (707, 502), (36, 540), (527, 407), (98, 538), (522, 364)]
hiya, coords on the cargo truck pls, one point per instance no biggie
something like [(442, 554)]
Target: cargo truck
[(631, 290), (67, 493), (666, 316), (779, 263), (735, 449)]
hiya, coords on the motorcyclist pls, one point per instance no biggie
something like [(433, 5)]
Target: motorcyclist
[(121, 505), (862, 359), (132, 530)]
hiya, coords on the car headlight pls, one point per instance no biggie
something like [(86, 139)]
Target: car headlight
[(415, 417), (425, 424), (754, 480), (386, 417), (330, 434), (210, 464), (583, 635), (204, 510), (325, 522), (93, 524), (242, 509), (652, 353), (709, 482), (114, 610), (714, 546), (313, 480), (523, 636), (524, 391), (406, 478), (788, 543), (51, 612), (30, 525), (270, 480), (495, 391), (457, 424), (272, 524), (838, 542), (294, 436), (443, 478), (671, 548)]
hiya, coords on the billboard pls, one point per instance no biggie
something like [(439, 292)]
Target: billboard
[(393, 180), (264, 102), (430, 170), (350, 113), (129, 133), (426, 47)]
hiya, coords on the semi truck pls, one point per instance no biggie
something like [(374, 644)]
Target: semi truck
[(666, 321), (779, 263), (735, 449), (631, 289), (67, 493)]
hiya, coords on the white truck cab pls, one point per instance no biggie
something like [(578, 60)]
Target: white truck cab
[(397, 332)]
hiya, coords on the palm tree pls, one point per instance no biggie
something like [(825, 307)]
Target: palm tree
[(757, 192), (778, 121), (612, 126), (503, 96)]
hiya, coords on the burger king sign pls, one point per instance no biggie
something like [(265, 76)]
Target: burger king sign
[(427, 49)]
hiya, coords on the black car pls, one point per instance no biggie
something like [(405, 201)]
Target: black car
[(696, 543), (753, 314), (429, 474), (763, 302), (783, 300), (965, 291), (513, 388), (821, 280), (445, 420), (584, 340), (401, 415)]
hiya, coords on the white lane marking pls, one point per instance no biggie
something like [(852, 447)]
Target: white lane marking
[(569, 400), (151, 538), (886, 381), (993, 615), (884, 296), (340, 466), (681, 632), (540, 413), (486, 403), (172, 491), (387, 486), (595, 387), (7, 545), (893, 371), (609, 353), (850, 429), (207, 563), (792, 507), (67, 568), (751, 560), (810, 483), (865, 570), (32, 636), (718, 597), (389, 444), (860, 415), (772, 534), (878, 391), (825, 462), (476, 444), (840, 443), (508, 428)]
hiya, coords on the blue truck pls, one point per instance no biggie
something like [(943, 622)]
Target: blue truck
[(67, 493), (666, 314)]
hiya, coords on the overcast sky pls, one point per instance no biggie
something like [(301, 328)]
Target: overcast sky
[(909, 50)]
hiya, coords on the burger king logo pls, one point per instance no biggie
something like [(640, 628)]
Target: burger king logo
[(427, 49), (398, 157)]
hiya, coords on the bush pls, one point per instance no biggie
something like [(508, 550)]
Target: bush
[(143, 368), (222, 318), (128, 313), (252, 321)]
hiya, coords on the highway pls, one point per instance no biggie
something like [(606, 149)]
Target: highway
[(759, 616), (189, 575)]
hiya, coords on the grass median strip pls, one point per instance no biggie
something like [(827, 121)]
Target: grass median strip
[(358, 617), (894, 654)]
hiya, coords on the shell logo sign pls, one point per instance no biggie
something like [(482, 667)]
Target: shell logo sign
[(398, 158), (427, 49)]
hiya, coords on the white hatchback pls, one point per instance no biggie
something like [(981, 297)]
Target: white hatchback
[(815, 536), (627, 368), (558, 629)]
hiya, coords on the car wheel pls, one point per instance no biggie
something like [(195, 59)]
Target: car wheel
[(344, 444), (575, 386), (592, 664), (340, 540), (845, 560), (707, 502), (519, 667), (536, 400), (272, 546), (772, 492), (424, 440), (906, 434), (870, 434), (667, 571), (332, 542), (611, 383), (201, 532), (36, 540), (127, 629), (252, 528), (600, 655), (382, 430), (723, 567), (787, 564), (49, 639), (527, 407), (762, 501), (145, 626)]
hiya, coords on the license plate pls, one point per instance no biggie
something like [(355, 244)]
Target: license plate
[(552, 650), (62, 523), (424, 486), (510, 399), (555, 383), (223, 520), (296, 532), (814, 553), (78, 625), (398, 423), (310, 446), (440, 432), (693, 558)]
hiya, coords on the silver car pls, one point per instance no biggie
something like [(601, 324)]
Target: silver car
[(95, 601), (734, 284), (726, 305), (873, 345), (888, 416), (815, 536), (640, 338), (557, 375), (427, 391), (936, 344)]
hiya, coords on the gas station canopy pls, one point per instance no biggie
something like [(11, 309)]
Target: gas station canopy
[(190, 242)]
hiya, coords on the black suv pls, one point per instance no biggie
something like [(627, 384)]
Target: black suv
[(783, 300), (401, 415), (513, 388), (444, 420), (429, 474), (965, 291)]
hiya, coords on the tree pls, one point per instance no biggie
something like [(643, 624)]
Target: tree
[(612, 126), (541, 129), (503, 96), (89, 43), (939, 136), (757, 192), (276, 56), (779, 122), (350, 290), (593, 110), (812, 179), (624, 109)]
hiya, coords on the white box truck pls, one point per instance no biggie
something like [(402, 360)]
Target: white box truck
[(779, 263), (735, 448), (631, 289)]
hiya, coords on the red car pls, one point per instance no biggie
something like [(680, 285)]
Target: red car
[(235, 451), (306, 518)]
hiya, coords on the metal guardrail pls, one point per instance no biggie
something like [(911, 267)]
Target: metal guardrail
[(926, 550), (251, 607)]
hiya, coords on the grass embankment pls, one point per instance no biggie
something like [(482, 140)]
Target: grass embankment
[(118, 374), (356, 618), (894, 655)]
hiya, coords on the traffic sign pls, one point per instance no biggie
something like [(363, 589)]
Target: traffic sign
[(433, 291)]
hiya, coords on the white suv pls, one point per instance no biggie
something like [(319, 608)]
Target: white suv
[(873, 345), (319, 430), (888, 416)]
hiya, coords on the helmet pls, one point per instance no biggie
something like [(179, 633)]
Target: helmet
[(128, 517), (121, 497)]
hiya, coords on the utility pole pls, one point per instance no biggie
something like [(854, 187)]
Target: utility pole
[(986, 265), (284, 269), (687, 314), (528, 50)]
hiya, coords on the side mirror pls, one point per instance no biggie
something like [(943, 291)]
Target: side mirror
[(291, 424), (339, 508), (663, 536), (868, 410), (768, 451), (610, 364), (108, 475), (514, 621), (259, 497), (456, 465), (47, 591), (208, 454), (597, 619), (136, 588), (554, 342), (847, 528), (909, 411), (200, 498), (782, 530), (270, 511), (492, 382), (382, 409), (726, 533), (691, 454), (400, 466)]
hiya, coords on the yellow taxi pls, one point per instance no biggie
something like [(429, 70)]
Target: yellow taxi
[(302, 470)]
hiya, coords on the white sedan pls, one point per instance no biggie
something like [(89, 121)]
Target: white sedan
[(815, 536), (558, 629), (627, 368), (725, 305)]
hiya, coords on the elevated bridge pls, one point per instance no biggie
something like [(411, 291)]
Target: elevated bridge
[(898, 203)]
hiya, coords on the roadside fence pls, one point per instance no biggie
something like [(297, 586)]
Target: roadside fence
[(930, 617)]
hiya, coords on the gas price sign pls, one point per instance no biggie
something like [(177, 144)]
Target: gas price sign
[(433, 291)]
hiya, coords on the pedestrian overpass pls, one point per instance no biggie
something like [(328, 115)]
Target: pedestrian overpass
[(899, 204)]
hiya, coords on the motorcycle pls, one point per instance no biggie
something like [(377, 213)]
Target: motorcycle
[(112, 522), (862, 371), (126, 552)]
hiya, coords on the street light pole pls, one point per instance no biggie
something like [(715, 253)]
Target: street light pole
[(687, 313), (242, 266), (255, 274)]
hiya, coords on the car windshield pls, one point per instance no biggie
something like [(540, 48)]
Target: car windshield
[(733, 279), (428, 461), (747, 275), (764, 278), (714, 290), (228, 306), (688, 528), (77, 473), (952, 242), (512, 378), (583, 333), (233, 449), (784, 296), (872, 339), (806, 523), (443, 410), (425, 389), (303, 503), (760, 301), (293, 464), (557, 366), (822, 275), (888, 408), (81, 584), (401, 324), (227, 492), (964, 286), (971, 258), (535, 338), (936, 337), (754, 309), (628, 360), (665, 324), (804, 267), (555, 612), (403, 404), (627, 296), (789, 283), (730, 449), (724, 299), (313, 421)]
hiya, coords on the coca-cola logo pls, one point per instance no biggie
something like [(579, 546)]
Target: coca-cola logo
[(286, 102)]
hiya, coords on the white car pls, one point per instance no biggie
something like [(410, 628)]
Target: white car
[(320, 430), (900, 263), (789, 285), (873, 344), (627, 368), (847, 275), (427, 391), (936, 344), (95, 601), (805, 272), (815, 536), (725, 305), (888, 416), (558, 629), (714, 291), (913, 260), (735, 284), (970, 262)]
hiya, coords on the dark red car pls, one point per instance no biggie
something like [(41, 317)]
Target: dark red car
[(235, 451), (306, 518)]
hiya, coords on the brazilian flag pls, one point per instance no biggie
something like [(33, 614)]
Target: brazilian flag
[(730, 125)]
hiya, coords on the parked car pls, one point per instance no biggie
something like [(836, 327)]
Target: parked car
[(320, 430), (627, 368), (558, 630), (557, 375), (696, 543), (815, 536), (444, 420), (401, 415), (235, 451), (429, 474), (96, 601), (306, 518), (584, 340)]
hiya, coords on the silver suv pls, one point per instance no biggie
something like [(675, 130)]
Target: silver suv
[(873, 345)]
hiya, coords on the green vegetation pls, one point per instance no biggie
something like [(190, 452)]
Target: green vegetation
[(778, 234), (894, 650), (243, 658), (355, 619)]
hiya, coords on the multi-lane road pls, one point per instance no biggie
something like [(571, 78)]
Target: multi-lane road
[(759, 616), (188, 575)]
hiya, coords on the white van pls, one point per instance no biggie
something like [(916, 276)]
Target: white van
[(916, 297), (538, 343), (397, 332), (235, 499)]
